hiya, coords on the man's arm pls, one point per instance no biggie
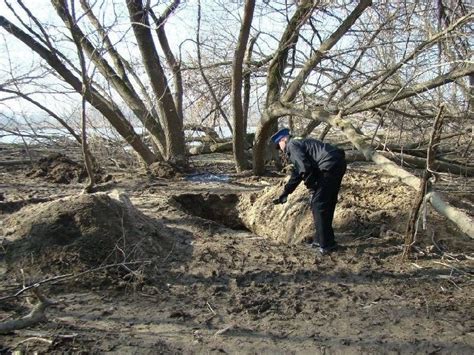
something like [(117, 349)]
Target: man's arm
[(290, 186), (293, 183)]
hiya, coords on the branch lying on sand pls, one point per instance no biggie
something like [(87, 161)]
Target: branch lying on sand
[(71, 276), (36, 315)]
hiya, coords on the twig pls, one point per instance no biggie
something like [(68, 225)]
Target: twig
[(171, 251), (70, 276), (436, 244), (33, 338), (210, 308), (367, 234), (455, 284), (35, 316), (451, 267), (223, 330)]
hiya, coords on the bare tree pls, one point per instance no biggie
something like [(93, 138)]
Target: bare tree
[(161, 116), (172, 121), (71, 22), (52, 114), (237, 79), (93, 96), (380, 89), (212, 91)]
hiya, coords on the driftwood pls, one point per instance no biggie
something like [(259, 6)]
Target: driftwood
[(204, 140), (36, 315), (209, 132), (201, 149)]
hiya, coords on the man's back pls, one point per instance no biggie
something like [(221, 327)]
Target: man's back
[(310, 153)]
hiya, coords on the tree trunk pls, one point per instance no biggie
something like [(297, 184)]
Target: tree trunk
[(241, 162), (202, 149), (71, 23), (170, 58), (104, 106), (172, 122), (276, 69), (120, 82), (261, 145), (221, 147)]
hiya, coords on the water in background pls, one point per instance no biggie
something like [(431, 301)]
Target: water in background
[(208, 177)]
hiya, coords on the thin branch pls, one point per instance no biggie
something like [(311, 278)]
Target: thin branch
[(316, 58)]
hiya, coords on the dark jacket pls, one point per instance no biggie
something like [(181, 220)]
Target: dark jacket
[(310, 158)]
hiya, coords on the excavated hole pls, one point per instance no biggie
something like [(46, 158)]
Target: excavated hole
[(218, 208)]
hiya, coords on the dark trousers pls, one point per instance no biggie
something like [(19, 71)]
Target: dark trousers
[(323, 203)]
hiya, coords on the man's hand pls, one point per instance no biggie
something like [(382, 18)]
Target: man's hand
[(280, 200)]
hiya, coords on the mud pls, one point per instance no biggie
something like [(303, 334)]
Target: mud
[(58, 168), (80, 232), (233, 274)]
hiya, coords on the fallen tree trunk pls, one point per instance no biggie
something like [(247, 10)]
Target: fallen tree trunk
[(221, 147), (416, 162), (464, 222), (201, 149)]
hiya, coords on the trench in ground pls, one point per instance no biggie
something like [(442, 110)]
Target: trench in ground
[(220, 208)]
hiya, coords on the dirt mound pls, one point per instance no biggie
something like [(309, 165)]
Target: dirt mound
[(164, 170), (368, 204), (81, 231), (60, 169)]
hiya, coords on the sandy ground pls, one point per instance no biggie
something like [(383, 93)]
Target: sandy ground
[(223, 289)]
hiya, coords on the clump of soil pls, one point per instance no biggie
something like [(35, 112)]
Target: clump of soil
[(368, 204), (60, 169), (81, 231), (164, 170)]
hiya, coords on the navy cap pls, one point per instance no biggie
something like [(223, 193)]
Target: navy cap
[(279, 135)]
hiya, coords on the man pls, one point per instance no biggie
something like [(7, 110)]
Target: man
[(321, 166)]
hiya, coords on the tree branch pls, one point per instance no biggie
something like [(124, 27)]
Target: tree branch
[(412, 91), (318, 55)]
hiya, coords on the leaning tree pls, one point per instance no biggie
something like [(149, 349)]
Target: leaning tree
[(118, 83), (382, 61)]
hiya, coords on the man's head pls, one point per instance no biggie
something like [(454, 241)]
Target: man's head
[(281, 138)]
